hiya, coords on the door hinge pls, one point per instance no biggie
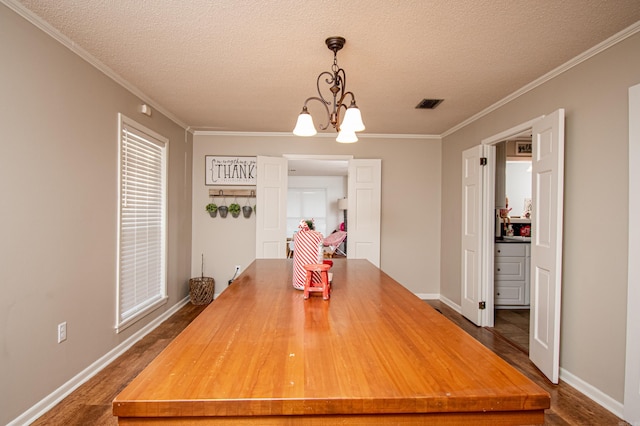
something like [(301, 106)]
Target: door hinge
[(482, 305), (483, 161)]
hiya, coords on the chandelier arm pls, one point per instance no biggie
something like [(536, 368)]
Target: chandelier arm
[(329, 80), (324, 103)]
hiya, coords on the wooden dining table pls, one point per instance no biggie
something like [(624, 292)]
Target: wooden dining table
[(374, 353)]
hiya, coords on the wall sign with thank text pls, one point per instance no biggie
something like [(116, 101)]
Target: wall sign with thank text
[(226, 170)]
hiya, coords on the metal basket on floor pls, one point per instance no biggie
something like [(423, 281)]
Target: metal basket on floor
[(201, 290)]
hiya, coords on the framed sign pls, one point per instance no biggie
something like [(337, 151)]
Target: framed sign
[(226, 170), (523, 149)]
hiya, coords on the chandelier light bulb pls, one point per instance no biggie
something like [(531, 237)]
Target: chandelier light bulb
[(345, 136), (304, 126), (352, 119)]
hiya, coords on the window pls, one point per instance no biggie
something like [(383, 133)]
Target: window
[(306, 203), (142, 221)]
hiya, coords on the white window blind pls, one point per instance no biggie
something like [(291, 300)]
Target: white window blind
[(142, 222)]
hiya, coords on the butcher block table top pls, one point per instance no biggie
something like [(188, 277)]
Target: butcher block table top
[(372, 354)]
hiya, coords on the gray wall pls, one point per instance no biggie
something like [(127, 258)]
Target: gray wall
[(58, 212), (595, 97), (410, 217)]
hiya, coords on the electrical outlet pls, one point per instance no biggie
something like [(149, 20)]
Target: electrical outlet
[(62, 332), (237, 269)]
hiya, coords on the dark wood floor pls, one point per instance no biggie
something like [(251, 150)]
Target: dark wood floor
[(568, 406), (90, 404), (513, 324)]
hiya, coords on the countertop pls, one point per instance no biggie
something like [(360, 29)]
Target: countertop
[(521, 240)]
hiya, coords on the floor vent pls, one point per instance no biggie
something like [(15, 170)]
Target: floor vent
[(429, 103)]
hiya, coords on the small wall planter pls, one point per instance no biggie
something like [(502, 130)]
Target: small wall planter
[(223, 211), (234, 209), (212, 209), (246, 211)]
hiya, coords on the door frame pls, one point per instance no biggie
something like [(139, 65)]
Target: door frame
[(632, 365), (487, 284)]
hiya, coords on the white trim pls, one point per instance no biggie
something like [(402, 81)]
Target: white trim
[(611, 41), (48, 29), (317, 157), (428, 296), (580, 385), (592, 392), (450, 303), (632, 367), (123, 325), (509, 133), (319, 135), (63, 391), (162, 143)]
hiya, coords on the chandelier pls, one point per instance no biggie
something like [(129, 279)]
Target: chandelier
[(337, 80)]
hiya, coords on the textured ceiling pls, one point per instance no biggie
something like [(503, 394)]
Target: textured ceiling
[(233, 65)]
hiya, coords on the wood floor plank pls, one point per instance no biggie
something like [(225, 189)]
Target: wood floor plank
[(568, 406)]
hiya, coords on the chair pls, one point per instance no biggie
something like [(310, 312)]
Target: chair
[(332, 243), (324, 286)]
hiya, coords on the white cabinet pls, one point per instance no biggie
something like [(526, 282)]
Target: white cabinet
[(511, 275)]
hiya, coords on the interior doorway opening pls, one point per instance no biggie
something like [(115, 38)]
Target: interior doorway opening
[(316, 183), (478, 236), (512, 240)]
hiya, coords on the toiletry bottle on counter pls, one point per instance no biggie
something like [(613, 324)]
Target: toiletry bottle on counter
[(510, 230)]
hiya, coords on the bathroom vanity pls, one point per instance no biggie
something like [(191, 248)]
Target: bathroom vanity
[(512, 260)]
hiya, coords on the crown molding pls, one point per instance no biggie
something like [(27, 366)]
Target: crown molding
[(598, 48), (21, 10), (319, 135)]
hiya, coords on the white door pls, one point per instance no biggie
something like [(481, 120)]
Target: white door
[(632, 365), (363, 214), (271, 208), (472, 214), (546, 243)]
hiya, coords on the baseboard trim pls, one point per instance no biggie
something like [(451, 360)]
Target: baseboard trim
[(451, 304), (592, 392), (580, 385), (428, 296), (36, 411)]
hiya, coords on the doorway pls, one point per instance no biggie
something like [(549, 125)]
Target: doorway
[(314, 187), (478, 228), (363, 208), (513, 230)]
